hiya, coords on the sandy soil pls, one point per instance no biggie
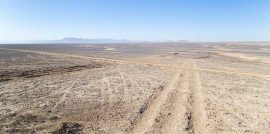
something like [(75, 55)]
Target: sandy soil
[(135, 88)]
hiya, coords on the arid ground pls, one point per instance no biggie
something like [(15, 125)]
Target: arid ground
[(146, 88)]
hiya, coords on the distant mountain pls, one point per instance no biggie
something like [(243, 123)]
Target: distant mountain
[(84, 40)]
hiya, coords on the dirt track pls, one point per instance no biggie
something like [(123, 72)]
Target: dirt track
[(182, 98), (190, 91), (186, 104)]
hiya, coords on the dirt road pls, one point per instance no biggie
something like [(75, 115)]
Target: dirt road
[(188, 91), (178, 108)]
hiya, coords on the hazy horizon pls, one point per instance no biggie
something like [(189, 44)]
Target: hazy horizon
[(110, 40), (223, 20)]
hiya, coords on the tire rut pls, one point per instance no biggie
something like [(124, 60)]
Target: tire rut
[(175, 122), (146, 122), (178, 108), (198, 115)]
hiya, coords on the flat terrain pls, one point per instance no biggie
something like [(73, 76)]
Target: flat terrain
[(146, 88)]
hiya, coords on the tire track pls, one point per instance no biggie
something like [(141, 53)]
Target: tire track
[(244, 57), (267, 77), (63, 98), (147, 120), (198, 115), (187, 111), (178, 108), (186, 107), (176, 121)]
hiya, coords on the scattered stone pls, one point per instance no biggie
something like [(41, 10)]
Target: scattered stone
[(69, 128)]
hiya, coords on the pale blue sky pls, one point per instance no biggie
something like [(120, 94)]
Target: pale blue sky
[(152, 20)]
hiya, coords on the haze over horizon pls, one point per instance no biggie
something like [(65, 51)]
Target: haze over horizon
[(223, 20)]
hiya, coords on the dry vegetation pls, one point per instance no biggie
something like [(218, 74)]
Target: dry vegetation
[(135, 88)]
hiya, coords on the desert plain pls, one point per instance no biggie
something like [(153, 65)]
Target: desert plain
[(135, 88)]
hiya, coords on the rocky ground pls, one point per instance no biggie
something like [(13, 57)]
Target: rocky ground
[(135, 88)]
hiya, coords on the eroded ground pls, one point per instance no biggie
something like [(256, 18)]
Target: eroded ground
[(135, 88)]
